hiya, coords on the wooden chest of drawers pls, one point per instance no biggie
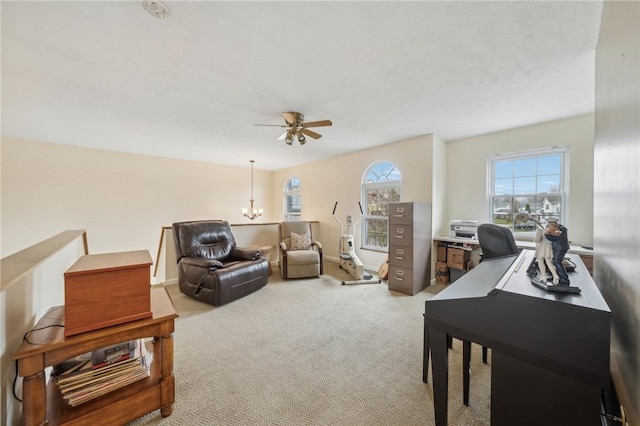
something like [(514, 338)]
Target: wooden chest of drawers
[(409, 247)]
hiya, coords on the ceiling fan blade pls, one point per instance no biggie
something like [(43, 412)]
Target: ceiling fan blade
[(311, 133), (283, 136), (321, 123), (289, 117), (271, 125)]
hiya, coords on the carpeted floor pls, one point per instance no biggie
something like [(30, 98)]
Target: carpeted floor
[(312, 352)]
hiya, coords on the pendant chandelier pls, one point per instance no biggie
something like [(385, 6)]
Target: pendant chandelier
[(251, 212)]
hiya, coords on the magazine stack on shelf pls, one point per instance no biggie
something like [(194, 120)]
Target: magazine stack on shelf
[(102, 371)]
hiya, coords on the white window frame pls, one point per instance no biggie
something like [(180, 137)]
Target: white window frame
[(380, 184), (528, 229), (289, 214)]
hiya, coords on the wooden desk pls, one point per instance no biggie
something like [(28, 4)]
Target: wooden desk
[(586, 254), (520, 243), (47, 347), (550, 351)]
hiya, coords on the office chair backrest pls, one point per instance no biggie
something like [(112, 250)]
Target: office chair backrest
[(496, 241)]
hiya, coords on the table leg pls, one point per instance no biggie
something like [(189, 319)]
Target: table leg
[(167, 380), (440, 369), (425, 353), (34, 399), (466, 370)]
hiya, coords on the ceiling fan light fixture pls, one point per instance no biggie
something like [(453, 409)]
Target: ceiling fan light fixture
[(297, 128), (289, 139)]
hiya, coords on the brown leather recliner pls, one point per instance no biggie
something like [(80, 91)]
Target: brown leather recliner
[(211, 268)]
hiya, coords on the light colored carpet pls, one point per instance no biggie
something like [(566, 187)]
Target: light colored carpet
[(312, 352)]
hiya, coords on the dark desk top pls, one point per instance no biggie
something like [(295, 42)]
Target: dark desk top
[(509, 274), (519, 284), (496, 305)]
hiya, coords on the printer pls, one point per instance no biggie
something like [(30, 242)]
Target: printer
[(463, 229)]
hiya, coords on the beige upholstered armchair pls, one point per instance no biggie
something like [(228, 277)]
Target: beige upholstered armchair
[(300, 255)]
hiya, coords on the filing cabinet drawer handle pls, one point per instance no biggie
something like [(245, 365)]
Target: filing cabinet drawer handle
[(399, 279), (398, 215), (399, 258), (399, 236)]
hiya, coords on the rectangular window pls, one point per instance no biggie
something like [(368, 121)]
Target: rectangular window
[(292, 199), (293, 206), (531, 182)]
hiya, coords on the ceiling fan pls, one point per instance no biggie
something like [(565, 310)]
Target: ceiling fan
[(297, 128)]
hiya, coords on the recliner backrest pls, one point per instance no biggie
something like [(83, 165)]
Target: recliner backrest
[(210, 239), (299, 227), (496, 241)]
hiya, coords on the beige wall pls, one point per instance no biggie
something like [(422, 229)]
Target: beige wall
[(617, 193), (439, 187), (122, 200), (467, 169), (22, 305), (339, 179)]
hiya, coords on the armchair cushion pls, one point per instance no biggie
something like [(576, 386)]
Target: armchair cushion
[(300, 241)]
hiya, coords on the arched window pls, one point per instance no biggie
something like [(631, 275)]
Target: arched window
[(381, 185), (292, 199)]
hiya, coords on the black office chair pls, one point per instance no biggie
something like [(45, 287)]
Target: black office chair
[(496, 241)]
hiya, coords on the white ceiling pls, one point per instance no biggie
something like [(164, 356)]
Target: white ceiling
[(105, 74)]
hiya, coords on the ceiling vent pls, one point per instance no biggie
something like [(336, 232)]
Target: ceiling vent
[(155, 9)]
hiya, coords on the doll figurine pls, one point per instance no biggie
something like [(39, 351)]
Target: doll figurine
[(544, 257), (558, 235)]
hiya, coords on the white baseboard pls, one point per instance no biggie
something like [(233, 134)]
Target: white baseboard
[(168, 282)]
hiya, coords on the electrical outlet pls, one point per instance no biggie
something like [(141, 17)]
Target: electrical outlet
[(349, 220)]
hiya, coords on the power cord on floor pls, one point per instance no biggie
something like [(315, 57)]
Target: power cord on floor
[(612, 417), (15, 381), (26, 338)]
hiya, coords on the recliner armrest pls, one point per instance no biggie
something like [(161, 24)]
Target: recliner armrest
[(283, 246), (201, 262), (317, 244), (244, 253)]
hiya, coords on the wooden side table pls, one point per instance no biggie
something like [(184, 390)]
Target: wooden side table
[(43, 403)]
